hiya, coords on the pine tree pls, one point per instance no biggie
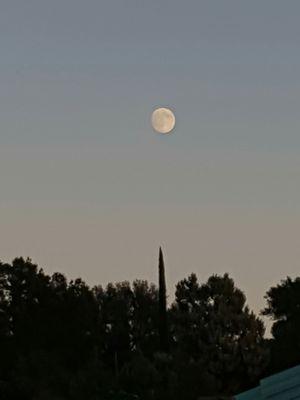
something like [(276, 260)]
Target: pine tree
[(163, 323)]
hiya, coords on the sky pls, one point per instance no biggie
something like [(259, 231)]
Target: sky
[(87, 188)]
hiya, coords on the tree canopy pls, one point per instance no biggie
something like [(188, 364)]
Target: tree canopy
[(283, 306), (64, 340)]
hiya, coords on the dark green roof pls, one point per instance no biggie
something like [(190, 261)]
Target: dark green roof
[(282, 386)]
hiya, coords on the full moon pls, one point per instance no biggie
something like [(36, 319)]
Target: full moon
[(163, 120)]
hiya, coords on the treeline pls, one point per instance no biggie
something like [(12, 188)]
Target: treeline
[(63, 340)]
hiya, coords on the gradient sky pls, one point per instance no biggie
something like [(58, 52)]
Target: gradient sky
[(86, 186)]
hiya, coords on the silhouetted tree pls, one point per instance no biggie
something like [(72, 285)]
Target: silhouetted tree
[(163, 324), (62, 340), (218, 342), (283, 306), (145, 337), (52, 336)]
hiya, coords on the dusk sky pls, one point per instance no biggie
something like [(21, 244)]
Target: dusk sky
[(89, 189)]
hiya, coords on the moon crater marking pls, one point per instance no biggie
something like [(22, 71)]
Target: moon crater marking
[(163, 120)]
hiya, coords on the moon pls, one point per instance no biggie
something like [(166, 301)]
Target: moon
[(163, 120)]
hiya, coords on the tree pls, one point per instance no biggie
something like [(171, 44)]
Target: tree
[(62, 340), (145, 337), (129, 320), (52, 334), (216, 337), (283, 306), (163, 324)]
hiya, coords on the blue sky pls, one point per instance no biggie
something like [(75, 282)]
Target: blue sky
[(88, 188)]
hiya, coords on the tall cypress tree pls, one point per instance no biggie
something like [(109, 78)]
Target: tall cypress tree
[(163, 323)]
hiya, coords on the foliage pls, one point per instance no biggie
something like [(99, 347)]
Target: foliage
[(283, 306), (217, 338), (63, 340), (163, 323)]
